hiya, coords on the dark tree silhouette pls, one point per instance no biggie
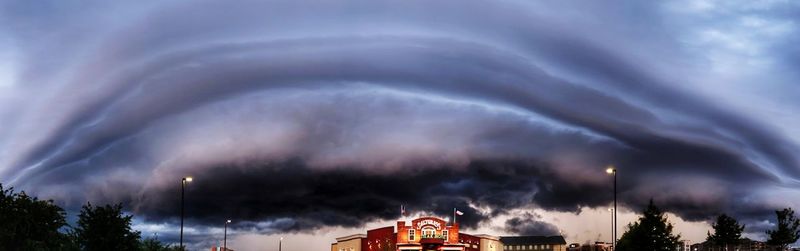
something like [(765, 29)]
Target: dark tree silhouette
[(105, 228), (651, 232), (27, 223), (787, 230), (153, 244), (727, 232)]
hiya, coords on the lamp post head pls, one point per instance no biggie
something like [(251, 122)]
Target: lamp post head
[(187, 179), (228, 221), (611, 170)]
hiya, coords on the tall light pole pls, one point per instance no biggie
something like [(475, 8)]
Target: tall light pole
[(280, 243), (611, 210), (183, 190), (225, 237), (613, 171)]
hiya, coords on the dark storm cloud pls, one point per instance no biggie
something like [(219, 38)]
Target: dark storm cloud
[(349, 197), (482, 107), (530, 224), (476, 73)]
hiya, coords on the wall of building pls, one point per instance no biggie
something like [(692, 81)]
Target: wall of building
[(534, 243), (402, 232), (417, 224), (491, 245), (387, 239), (348, 245), (381, 239), (471, 242)]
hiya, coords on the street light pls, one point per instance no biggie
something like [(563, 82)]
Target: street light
[(611, 210), (225, 238), (613, 171), (183, 188), (280, 243)]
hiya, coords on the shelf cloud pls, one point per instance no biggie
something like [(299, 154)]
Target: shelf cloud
[(294, 116)]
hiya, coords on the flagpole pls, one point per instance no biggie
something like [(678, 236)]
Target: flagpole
[(454, 216)]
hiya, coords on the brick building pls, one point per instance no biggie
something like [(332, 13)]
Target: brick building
[(480, 242), (426, 233), (432, 234)]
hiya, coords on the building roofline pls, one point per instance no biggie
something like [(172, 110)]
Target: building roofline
[(350, 237), (486, 236), (555, 239)]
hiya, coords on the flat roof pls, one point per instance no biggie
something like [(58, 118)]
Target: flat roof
[(486, 236), (526, 240), (350, 237)]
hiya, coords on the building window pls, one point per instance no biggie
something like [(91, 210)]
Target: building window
[(411, 234), (428, 232), (444, 234)]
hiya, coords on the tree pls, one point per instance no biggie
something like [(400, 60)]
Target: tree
[(105, 228), (787, 231), (727, 232), (27, 223), (153, 244), (651, 232)]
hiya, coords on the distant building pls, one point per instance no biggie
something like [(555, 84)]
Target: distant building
[(683, 245), (574, 247), (752, 245), (597, 246), (349, 243), (481, 242), (745, 244), (430, 233), (470, 242), (534, 243), (490, 243)]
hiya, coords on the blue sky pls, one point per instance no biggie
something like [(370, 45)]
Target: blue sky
[(302, 117)]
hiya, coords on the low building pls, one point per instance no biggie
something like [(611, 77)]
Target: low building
[(428, 233), (745, 244), (349, 243), (434, 234), (574, 247), (490, 243), (683, 245), (480, 242), (753, 245), (597, 246), (470, 242), (534, 243)]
